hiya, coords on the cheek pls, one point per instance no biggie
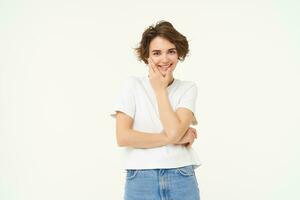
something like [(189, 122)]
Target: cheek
[(175, 58), (175, 61), (155, 60)]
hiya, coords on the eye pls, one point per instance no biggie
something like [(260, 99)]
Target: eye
[(172, 51), (155, 53)]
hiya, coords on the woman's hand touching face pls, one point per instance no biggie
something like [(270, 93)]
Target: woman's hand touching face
[(157, 80)]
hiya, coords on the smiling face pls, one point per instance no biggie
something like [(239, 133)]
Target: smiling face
[(163, 53)]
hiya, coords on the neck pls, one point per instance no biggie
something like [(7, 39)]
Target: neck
[(170, 82)]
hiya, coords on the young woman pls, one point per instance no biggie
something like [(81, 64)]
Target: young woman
[(153, 117)]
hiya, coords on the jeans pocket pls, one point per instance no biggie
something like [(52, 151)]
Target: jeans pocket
[(186, 171), (131, 173)]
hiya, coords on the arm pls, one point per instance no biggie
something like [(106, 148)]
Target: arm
[(175, 123), (126, 136), (188, 138)]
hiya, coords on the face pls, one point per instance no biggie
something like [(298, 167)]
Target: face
[(163, 53)]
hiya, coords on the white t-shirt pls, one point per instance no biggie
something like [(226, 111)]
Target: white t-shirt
[(137, 100)]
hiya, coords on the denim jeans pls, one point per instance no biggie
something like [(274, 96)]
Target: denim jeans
[(162, 184)]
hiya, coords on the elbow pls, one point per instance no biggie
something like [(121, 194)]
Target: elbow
[(173, 136), (121, 142), (176, 139), (121, 139)]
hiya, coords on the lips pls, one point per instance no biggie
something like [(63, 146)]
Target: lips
[(164, 67)]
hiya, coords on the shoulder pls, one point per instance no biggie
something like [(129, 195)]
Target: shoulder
[(187, 85), (130, 81)]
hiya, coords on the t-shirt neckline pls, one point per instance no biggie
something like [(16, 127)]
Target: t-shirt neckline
[(169, 87)]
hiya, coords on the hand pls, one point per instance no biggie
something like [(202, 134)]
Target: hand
[(157, 80), (188, 138)]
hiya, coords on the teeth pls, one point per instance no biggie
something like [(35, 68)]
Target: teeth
[(164, 66)]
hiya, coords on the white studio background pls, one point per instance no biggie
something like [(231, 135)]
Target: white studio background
[(63, 62)]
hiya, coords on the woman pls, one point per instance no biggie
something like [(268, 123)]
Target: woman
[(153, 118)]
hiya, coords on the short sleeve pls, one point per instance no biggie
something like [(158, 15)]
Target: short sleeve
[(188, 100), (125, 101)]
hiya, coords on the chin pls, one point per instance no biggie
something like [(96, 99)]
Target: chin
[(163, 74)]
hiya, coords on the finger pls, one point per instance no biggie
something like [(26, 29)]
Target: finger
[(153, 66), (151, 72), (168, 74), (194, 131), (191, 143), (150, 65), (196, 134), (191, 128), (150, 68)]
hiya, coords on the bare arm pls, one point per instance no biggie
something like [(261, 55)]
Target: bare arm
[(126, 136), (175, 123)]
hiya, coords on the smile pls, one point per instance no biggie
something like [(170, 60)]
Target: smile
[(164, 67)]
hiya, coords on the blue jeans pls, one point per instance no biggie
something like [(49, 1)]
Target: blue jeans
[(162, 184)]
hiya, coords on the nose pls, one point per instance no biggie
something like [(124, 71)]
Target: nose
[(165, 58)]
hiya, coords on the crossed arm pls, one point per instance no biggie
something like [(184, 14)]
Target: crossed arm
[(175, 123), (126, 136), (175, 126)]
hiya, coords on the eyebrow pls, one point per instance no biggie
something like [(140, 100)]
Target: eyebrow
[(168, 49)]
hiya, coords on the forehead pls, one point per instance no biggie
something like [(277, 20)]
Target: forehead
[(160, 43)]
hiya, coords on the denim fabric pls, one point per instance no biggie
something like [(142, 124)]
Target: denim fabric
[(162, 184)]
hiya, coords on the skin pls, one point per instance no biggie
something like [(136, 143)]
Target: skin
[(163, 55), (162, 62), (189, 137)]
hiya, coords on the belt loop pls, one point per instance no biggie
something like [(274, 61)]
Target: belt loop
[(161, 172)]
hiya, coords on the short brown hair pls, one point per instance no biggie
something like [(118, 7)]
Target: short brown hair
[(165, 30)]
